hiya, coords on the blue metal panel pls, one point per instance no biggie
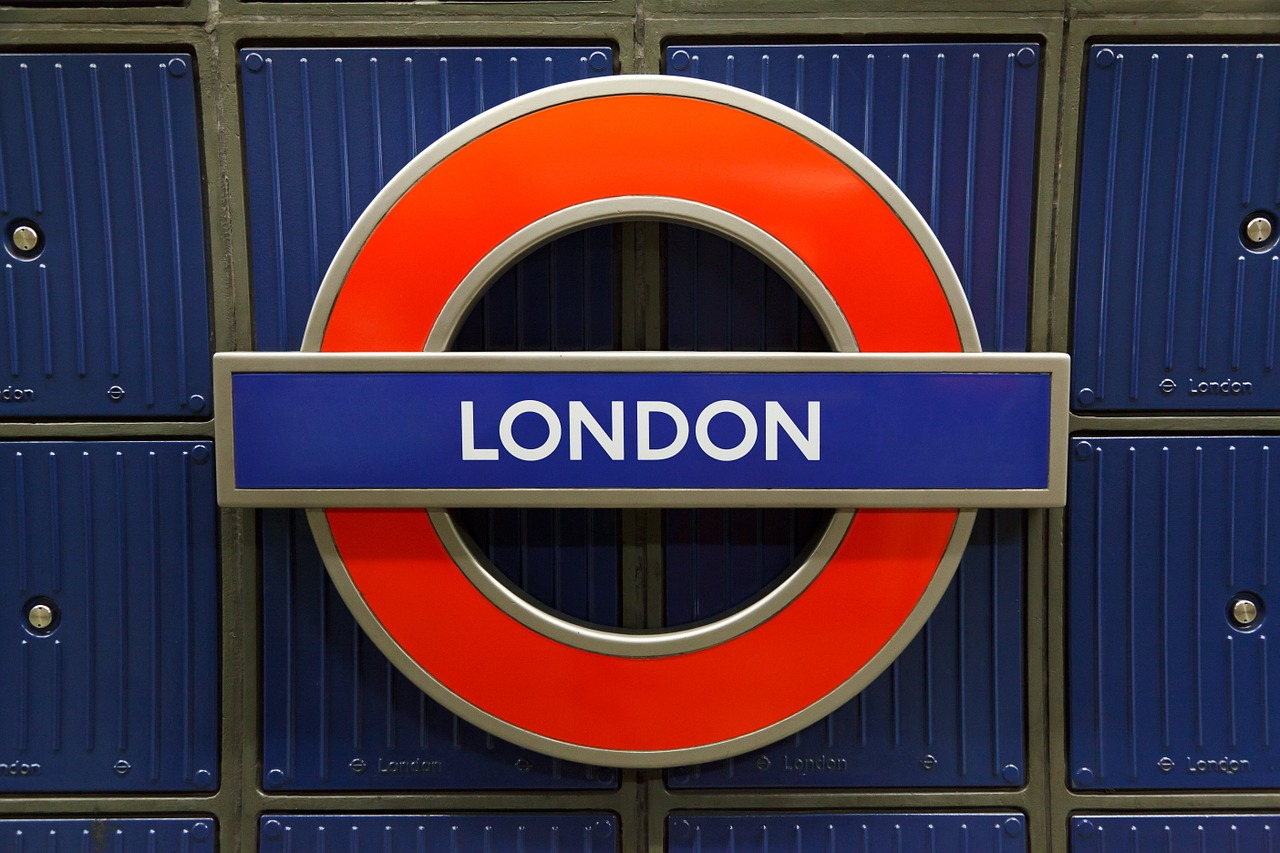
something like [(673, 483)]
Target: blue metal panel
[(1178, 147), (954, 125), (360, 114), (338, 716), (947, 712), (1163, 534), (1174, 833), (552, 832), (122, 693), (824, 832), (101, 153), (188, 835), (947, 122), (325, 128)]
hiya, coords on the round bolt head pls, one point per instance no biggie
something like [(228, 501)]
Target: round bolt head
[(40, 616), (1244, 611), (25, 238), (1257, 229)]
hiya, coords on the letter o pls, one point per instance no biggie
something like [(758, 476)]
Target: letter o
[(750, 431), (519, 451)]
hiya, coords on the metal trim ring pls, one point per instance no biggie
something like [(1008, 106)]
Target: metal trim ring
[(600, 88)]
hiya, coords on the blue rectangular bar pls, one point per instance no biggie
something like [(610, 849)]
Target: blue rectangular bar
[(872, 430)]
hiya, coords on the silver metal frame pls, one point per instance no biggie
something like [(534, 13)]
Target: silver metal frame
[(443, 330), (1055, 365)]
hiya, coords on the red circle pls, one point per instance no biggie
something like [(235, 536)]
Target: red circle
[(647, 145)]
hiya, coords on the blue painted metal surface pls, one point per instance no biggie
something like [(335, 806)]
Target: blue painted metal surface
[(944, 121), (1163, 833), (359, 114), (762, 832), (1177, 150), (547, 832), (120, 538), (338, 716), (924, 430), (948, 712), (954, 125), (177, 834), (101, 153), (326, 128), (1163, 534)]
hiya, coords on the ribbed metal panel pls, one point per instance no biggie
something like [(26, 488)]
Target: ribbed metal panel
[(762, 832), (360, 114), (177, 834), (947, 712), (122, 694), (1164, 533), (1178, 146), (1184, 833), (101, 153), (954, 125), (566, 832), (326, 128), (944, 121), (338, 716)]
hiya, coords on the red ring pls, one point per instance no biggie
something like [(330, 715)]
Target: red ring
[(651, 145)]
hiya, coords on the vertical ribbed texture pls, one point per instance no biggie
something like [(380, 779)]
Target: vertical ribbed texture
[(1164, 534), (122, 539), (943, 120), (1176, 152), (329, 126), (892, 832), (560, 298), (955, 711), (102, 153), (75, 835), (548, 832), (1173, 833)]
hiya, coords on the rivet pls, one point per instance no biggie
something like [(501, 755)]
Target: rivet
[(1082, 777), (195, 403), (275, 777), (1257, 230), (1083, 828), (200, 832), (1026, 57), (200, 454), (1083, 450), (1085, 396), (40, 616), (680, 60), (603, 828), (1105, 57), (254, 62), (1244, 612), (25, 238), (177, 67), (1011, 773), (204, 778), (598, 60), (1013, 827), (272, 829)]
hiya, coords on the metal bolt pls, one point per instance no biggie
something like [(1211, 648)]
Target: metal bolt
[(25, 238), (1244, 611), (1258, 230), (40, 616)]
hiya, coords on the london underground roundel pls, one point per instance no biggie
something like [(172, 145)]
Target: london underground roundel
[(906, 429)]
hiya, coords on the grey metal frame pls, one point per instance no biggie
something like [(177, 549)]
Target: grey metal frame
[(638, 28)]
